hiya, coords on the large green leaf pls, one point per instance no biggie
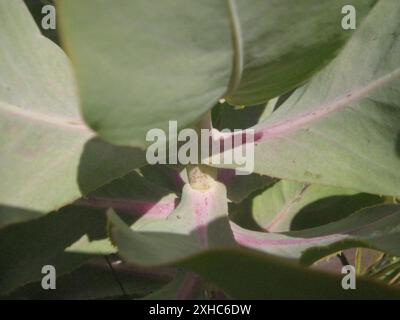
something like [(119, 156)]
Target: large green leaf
[(283, 42), (49, 158), (172, 60), (342, 128), (161, 61), (265, 277)]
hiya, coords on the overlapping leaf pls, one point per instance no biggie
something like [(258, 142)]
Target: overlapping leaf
[(342, 129), (375, 227), (200, 223), (26, 247), (294, 206), (48, 157), (173, 60), (284, 42)]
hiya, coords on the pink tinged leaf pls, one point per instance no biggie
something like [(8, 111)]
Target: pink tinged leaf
[(273, 242), (262, 240), (200, 204), (264, 132)]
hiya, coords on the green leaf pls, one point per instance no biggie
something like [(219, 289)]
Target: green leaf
[(178, 57), (240, 187), (266, 277), (284, 42), (49, 158), (375, 227), (294, 206), (342, 129), (158, 62)]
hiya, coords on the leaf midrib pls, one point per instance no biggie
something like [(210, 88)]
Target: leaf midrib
[(237, 42), (72, 124), (262, 132), (317, 114)]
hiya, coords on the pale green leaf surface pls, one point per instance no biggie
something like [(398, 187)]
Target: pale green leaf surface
[(48, 157), (161, 61)]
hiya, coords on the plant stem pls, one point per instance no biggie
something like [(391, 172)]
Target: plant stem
[(201, 177)]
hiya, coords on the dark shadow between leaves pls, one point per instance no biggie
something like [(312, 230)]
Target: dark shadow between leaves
[(10, 215), (27, 246), (93, 281), (102, 162), (240, 213), (226, 116), (331, 209)]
